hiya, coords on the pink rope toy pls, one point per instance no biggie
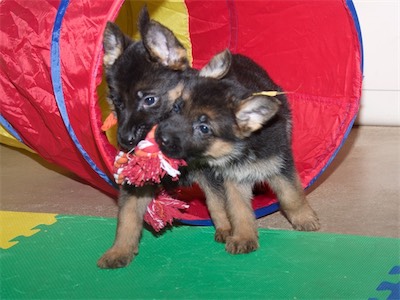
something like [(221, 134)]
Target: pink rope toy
[(147, 165)]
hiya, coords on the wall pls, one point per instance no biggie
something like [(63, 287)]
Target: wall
[(380, 27)]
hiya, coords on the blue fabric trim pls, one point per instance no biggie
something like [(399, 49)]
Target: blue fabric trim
[(207, 222), (267, 210), (261, 212), (10, 129), (353, 11), (58, 90)]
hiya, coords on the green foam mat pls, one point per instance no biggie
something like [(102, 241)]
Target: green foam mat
[(59, 262)]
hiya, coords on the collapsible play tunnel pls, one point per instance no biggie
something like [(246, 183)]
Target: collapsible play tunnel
[(51, 74)]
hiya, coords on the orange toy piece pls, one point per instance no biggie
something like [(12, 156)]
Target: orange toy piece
[(109, 122)]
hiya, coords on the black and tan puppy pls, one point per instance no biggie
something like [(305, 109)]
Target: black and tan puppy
[(224, 121), (144, 79)]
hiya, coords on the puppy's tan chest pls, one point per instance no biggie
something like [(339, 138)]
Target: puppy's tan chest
[(253, 171)]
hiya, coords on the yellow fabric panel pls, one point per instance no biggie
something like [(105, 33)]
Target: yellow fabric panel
[(8, 139), (14, 224), (171, 13)]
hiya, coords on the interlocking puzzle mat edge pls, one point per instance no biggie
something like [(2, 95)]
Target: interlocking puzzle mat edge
[(14, 224)]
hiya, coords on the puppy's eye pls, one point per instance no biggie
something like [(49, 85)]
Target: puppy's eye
[(204, 129), (150, 100)]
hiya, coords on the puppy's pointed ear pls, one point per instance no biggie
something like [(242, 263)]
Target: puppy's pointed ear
[(114, 43), (253, 112), (161, 43), (218, 66)]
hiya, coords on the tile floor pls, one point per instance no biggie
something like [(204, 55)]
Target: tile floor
[(358, 194)]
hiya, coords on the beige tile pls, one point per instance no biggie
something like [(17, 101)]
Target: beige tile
[(28, 183)]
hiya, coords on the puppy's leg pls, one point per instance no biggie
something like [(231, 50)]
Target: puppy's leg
[(215, 199), (244, 237), (293, 202), (132, 207)]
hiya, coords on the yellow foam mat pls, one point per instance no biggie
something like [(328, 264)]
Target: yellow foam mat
[(14, 224)]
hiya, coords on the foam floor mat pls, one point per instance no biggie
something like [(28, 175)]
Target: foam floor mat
[(59, 262)]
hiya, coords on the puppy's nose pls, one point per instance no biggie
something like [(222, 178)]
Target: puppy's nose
[(127, 141)]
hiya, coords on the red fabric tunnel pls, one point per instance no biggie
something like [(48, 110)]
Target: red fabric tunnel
[(51, 54)]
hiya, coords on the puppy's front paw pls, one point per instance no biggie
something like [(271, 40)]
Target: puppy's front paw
[(115, 258), (305, 220), (222, 234), (237, 245)]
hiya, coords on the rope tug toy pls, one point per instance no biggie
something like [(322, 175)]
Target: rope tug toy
[(148, 165)]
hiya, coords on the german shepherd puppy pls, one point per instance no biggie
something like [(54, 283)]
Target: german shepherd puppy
[(226, 122), (144, 79)]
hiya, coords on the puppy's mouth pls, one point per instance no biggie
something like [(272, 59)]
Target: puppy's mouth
[(128, 144)]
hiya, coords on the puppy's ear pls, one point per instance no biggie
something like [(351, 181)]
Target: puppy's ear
[(161, 43), (114, 43), (218, 66), (252, 113)]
